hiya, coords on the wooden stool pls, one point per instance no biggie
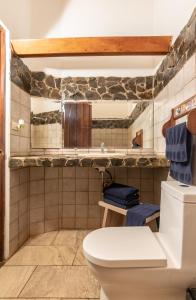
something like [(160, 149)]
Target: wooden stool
[(108, 207)]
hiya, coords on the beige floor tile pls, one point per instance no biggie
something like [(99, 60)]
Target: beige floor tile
[(70, 237), (43, 256), (13, 279), (79, 259), (62, 282), (44, 239)]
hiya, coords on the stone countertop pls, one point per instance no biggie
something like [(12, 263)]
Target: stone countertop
[(147, 161)]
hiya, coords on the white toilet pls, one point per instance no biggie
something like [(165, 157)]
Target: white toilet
[(133, 263)]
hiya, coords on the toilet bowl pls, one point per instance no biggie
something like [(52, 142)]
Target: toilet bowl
[(135, 263)]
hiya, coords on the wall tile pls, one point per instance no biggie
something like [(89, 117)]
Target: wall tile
[(36, 173), (37, 215), (94, 211), (14, 212), (95, 197), (69, 198), (51, 212), (147, 185), (93, 223), (51, 199), (51, 225), (37, 201), (81, 223), (36, 187), (51, 185), (69, 185), (134, 173), (82, 185), (69, 172), (69, 211), (51, 173), (95, 185), (13, 246), (36, 228), (81, 211), (82, 198), (23, 206), (68, 223), (94, 173), (82, 172), (14, 230)]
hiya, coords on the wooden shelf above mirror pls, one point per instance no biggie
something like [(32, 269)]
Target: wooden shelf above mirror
[(92, 46)]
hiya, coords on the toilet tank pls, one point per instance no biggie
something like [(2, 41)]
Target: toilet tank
[(178, 222)]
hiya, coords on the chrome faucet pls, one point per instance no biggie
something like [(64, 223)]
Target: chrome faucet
[(102, 147)]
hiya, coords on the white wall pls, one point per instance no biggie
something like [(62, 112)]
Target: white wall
[(179, 89), (65, 18), (112, 109), (145, 122), (171, 16)]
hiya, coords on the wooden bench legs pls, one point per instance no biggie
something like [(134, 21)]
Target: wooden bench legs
[(105, 215)]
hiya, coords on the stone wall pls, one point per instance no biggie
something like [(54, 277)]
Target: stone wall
[(50, 117), (109, 88), (182, 49)]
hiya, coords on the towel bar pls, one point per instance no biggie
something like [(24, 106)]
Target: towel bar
[(107, 207), (187, 107)]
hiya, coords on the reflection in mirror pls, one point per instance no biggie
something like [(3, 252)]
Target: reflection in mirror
[(46, 123), (122, 124), (96, 124)]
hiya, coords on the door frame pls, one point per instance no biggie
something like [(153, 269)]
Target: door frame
[(2, 139)]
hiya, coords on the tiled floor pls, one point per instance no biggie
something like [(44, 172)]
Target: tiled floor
[(50, 265)]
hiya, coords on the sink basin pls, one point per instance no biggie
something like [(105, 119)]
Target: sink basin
[(100, 154)]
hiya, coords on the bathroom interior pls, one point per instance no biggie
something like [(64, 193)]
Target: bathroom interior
[(97, 149)]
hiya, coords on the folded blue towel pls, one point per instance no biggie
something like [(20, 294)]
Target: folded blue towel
[(176, 143), (121, 191), (133, 203), (178, 151), (137, 215), (122, 201)]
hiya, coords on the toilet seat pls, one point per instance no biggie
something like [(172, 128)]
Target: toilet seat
[(118, 247)]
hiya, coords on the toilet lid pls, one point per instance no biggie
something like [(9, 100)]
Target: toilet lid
[(117, 247)]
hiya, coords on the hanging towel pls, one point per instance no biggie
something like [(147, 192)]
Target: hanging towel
[(127, 206), (121, 191), (181, 171), (176, 143), (136, 216), (178, 151)]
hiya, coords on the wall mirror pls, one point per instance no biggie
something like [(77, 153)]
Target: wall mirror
[(46, 123), (96, 124)]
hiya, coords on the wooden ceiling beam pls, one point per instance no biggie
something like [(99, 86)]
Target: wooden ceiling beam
[(89, 46)]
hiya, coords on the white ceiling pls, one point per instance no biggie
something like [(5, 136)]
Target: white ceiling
[(69, 18)]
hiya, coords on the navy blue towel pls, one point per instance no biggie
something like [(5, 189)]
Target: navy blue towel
[(178, 151), (176, 143), (133, 203), (121, 201), (121, 191), (136, 216)]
